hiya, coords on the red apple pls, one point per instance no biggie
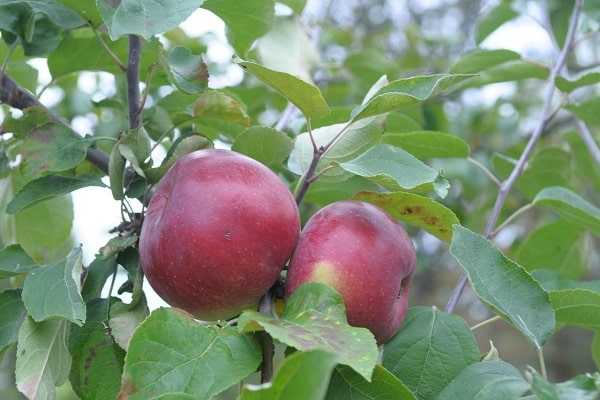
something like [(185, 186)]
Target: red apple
[(366, 255), (218, 231)]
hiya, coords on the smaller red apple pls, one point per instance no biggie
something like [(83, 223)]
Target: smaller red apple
[(366, 255)]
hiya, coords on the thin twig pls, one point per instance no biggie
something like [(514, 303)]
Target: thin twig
[(486, 171), (537, 133)]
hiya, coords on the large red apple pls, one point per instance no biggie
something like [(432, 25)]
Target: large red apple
[(363, 253), (218, 231)]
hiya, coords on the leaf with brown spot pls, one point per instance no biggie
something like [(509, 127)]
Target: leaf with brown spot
[(416, 210)]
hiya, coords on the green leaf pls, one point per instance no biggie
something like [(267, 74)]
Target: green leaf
[(12, 315), (552, 280), (586, 111), (296, 5), (355, 139), (511, 71), (135, 147), (416, 210), (582, 159), (485, 381), (116, 172), (188, 360), (404, 93), (86, 9), (314, 318), (396, 169), (429, 144), (347, 384), (145, 18), (124, 319), (504, 286), (430, 350), (54, 290), (78, 53), (304, 95), (187, 71), (182, 146), (97, 273), (97, 360), (267, 145), (52, 147), (42, 230), (569, 85), (245, 21), (570, 206), (214, 104), (480, 59), (493, 19), (15, 261), (559, 246), (35, 25), (596, 349), (582, 387), (43, 359), (287, 48), (578, 307), (47, 187), (551, 166), (301, 376)]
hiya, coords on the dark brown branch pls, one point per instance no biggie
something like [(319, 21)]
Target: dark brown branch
[(14, 95), (133, 81)]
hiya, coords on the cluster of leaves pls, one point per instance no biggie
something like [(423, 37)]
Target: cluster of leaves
[(378, 142)]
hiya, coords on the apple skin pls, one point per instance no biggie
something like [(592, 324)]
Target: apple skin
[(366, 255), (218, 230)]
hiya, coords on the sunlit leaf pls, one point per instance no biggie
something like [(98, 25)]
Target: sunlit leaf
[(314, 318), (287, 48), (396, 169), (430, 350), (304, 95), (404, 93), (504, 286), (355, 140)]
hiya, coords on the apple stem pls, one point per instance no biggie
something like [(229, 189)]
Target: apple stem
[(265, 306)]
